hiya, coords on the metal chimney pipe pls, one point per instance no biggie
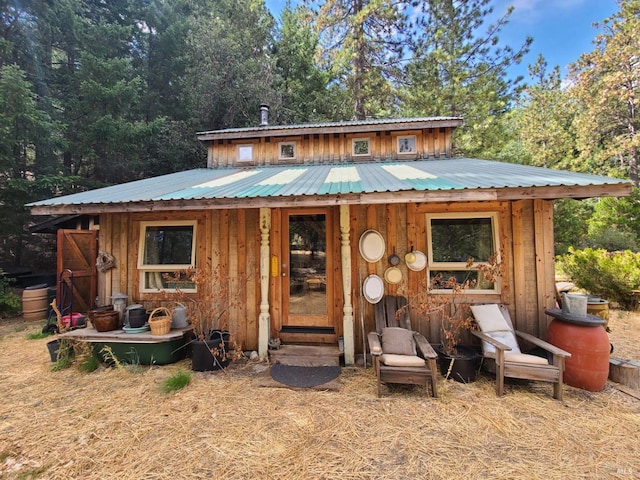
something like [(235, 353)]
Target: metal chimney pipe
[(264, 115)]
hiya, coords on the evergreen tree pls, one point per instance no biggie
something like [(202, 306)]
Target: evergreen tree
[(606, 83), (362, 42), (544, 119), (306, 95), (458, 70)]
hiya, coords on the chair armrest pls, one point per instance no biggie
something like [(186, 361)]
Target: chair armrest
[(542, 344), (486, 338), (424, 346), (374, 343)]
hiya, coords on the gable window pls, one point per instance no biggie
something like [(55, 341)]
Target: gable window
[(360, 147), (407, 144), (245, 153), (287, 150), (166, 248), (453, 239)]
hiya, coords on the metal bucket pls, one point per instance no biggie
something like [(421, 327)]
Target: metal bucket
[(574, 303), (179, 316)]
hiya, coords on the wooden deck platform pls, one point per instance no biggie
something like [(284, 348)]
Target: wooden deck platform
[(120, 336)]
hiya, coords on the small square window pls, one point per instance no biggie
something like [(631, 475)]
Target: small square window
[(407, 144), (361, 147), (287, 150), (166, 247), (245, 153)]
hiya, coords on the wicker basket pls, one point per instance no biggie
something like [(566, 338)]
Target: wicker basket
[(160, 321), (106, 321)]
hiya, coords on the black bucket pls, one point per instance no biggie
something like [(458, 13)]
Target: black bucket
[(203, 358), (53, 346), (137, 317)]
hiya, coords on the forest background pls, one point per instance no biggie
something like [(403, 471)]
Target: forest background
[(95, 93)]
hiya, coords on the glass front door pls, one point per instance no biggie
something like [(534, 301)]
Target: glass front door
[(306, 283)]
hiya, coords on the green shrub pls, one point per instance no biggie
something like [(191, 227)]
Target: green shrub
[(609, 275), (612, 240), (89, 363), (176, 382), (9, 301)]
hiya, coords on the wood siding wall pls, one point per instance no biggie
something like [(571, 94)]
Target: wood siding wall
[(232, 237), (227, 237), (526, 241), (331, 148)]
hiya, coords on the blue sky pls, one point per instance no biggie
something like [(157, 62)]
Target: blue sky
[(561, 29)]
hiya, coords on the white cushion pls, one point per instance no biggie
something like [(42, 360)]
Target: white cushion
[(401, 360), (506, 337), (524, 358), (399, 341), (489, 318)]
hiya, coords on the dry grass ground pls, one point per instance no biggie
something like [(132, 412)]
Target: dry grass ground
[(116, 423)]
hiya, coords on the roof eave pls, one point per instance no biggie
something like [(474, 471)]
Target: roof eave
[(411, 196), (282, 131)]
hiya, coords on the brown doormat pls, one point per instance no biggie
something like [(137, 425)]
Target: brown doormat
[(304, 377)]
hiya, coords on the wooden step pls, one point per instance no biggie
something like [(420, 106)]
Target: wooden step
[(306, 355)]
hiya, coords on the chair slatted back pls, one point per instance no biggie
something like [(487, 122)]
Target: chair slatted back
[(392, 311)]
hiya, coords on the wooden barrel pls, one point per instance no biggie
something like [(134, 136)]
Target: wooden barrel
[(34, 303), (588, 367)]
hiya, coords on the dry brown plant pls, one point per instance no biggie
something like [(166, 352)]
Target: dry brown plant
[(455, 315), (209, 307)]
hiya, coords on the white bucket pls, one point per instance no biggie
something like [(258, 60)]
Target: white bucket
[(574, 303)]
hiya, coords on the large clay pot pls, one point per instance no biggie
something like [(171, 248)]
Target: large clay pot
[(588, 366)]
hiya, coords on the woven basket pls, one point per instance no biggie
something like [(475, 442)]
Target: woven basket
[(106, 321), (160, 321)]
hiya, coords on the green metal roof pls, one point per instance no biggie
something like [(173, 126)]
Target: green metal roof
[(323, 182)]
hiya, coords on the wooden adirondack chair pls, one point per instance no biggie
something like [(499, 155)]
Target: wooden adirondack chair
[(499, 344), (399, 354)]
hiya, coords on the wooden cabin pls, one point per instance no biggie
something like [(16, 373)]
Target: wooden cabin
[(286, 207)]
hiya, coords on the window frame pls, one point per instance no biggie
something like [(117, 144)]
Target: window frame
[(353, 146), (461, 266), (143, 268), (404, 137), (284, 144), (245, 146)]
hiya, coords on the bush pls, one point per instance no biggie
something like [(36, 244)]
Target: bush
[(9, 301), (612, 240), (609, 275)]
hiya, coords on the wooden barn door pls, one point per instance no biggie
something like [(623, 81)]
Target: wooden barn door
[(77, 274)]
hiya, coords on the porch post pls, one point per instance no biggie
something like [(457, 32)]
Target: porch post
[(347, 309), (264, 328)]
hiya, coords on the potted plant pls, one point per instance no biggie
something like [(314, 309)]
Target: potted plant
[(208, 309), (457, 360)]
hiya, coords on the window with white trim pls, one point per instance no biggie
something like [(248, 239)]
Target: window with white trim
[(453, 239), (407, 144), (287, 150), (360, 147), (245, 153), (165, 248)]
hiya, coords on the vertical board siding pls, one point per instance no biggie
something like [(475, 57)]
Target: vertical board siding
[(330, 148), (232, 238)]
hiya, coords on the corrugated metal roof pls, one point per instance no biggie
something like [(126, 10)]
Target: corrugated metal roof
[(328, 127), (451, 174)]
